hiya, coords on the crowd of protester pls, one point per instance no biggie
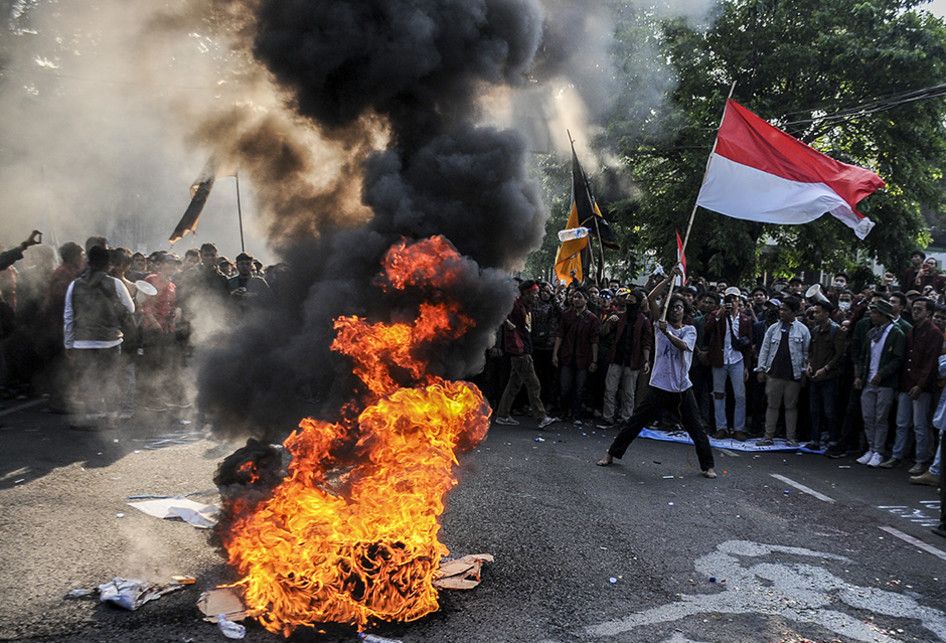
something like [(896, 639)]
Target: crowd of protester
[(108, 332), (844, 369)]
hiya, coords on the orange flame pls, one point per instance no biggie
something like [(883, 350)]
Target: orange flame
[(364, 547)]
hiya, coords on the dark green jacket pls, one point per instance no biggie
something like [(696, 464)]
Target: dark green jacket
[(891, 359)]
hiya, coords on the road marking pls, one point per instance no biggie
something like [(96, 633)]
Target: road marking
[(775, 580), (21, 407), (916, 542), (801, 487)]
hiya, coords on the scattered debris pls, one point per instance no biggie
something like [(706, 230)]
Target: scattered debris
[(226, 601), (461, 573), (374, 638), (613, 580), (184, 580), (119, 515), (80, 592), (194, 513), (668, 477), (538, 439), (19, 480), (230, 629), (130, 593)]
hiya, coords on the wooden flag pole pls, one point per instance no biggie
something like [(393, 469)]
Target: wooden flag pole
[(686, 238), (236, 175)]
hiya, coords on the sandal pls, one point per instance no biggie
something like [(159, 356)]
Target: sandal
[(606, 461)]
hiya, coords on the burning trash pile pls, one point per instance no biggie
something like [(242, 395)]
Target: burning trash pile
[(364, 546)]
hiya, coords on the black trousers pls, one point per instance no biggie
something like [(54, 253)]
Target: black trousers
[(650, 409)]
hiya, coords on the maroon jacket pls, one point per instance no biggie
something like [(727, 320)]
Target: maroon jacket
[(578, 334), (920, 368), (643, 331), (517, 341), (716, 329)]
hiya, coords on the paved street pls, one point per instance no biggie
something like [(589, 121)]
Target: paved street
[(583, 553)]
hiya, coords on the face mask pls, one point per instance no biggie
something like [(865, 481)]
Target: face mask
[(844, 305)]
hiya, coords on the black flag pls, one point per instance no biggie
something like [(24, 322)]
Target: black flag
[(200, 190)]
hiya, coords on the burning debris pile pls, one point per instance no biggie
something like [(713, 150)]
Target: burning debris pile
[(363, 547)]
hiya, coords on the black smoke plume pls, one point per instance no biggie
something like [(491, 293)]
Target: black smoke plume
[(417, 66)]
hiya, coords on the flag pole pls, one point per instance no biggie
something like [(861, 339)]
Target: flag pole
[(236, 175), (686, 238)]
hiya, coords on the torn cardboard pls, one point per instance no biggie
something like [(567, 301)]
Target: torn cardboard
[(227, 601), (461, 573)]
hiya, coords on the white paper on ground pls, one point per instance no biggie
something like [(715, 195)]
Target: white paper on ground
[(197, 514)]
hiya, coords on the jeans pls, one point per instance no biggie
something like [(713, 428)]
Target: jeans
[(522, 373), (777, 391), (650, 409), (875, 406), (625, 379), (573, 389), (735, 373), (915, 413), (937, 461), (822, 398)]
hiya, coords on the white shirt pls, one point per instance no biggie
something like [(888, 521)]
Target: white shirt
[(68, 319), (876, 350), (671, 365), (731, 356)]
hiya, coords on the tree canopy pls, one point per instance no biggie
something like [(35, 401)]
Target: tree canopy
[(793, 61)]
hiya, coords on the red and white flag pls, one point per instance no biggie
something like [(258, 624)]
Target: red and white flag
[(681, 262), (760, 173)]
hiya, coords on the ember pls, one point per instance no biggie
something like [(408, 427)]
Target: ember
[(368, 550)]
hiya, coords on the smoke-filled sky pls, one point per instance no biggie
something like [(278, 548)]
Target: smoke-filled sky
[(108, 107)]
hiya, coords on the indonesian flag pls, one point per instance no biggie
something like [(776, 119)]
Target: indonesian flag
[(682, 262), (760, 173)]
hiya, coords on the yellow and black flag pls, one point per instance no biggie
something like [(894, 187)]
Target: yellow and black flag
[(574, 255), (200, 190)]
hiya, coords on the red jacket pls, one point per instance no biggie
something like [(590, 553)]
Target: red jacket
[(920, 368), (716, 329), (643, 331), (578, 334)]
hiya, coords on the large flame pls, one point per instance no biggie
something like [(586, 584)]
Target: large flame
[(360, 545)]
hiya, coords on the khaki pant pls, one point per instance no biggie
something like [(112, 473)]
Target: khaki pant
[(522, 373), (777, 391), (625, 379)]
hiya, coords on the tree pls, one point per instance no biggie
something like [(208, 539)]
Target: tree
[(793, 60)]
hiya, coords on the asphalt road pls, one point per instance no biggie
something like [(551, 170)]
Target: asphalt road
[(583, 553)]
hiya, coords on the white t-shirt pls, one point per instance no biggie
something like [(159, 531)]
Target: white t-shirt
[(671, 365)]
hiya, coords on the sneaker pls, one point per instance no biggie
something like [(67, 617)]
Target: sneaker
[(791, 443), (506, 421), (925, 478), (836, 453), (813, 446), (577, 423), (917, 469), (605, 424), (875, 460), (547, 420), (864, 459), (721, 434), (709, 473), (764, 442), (741, 436), (889, 463)]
